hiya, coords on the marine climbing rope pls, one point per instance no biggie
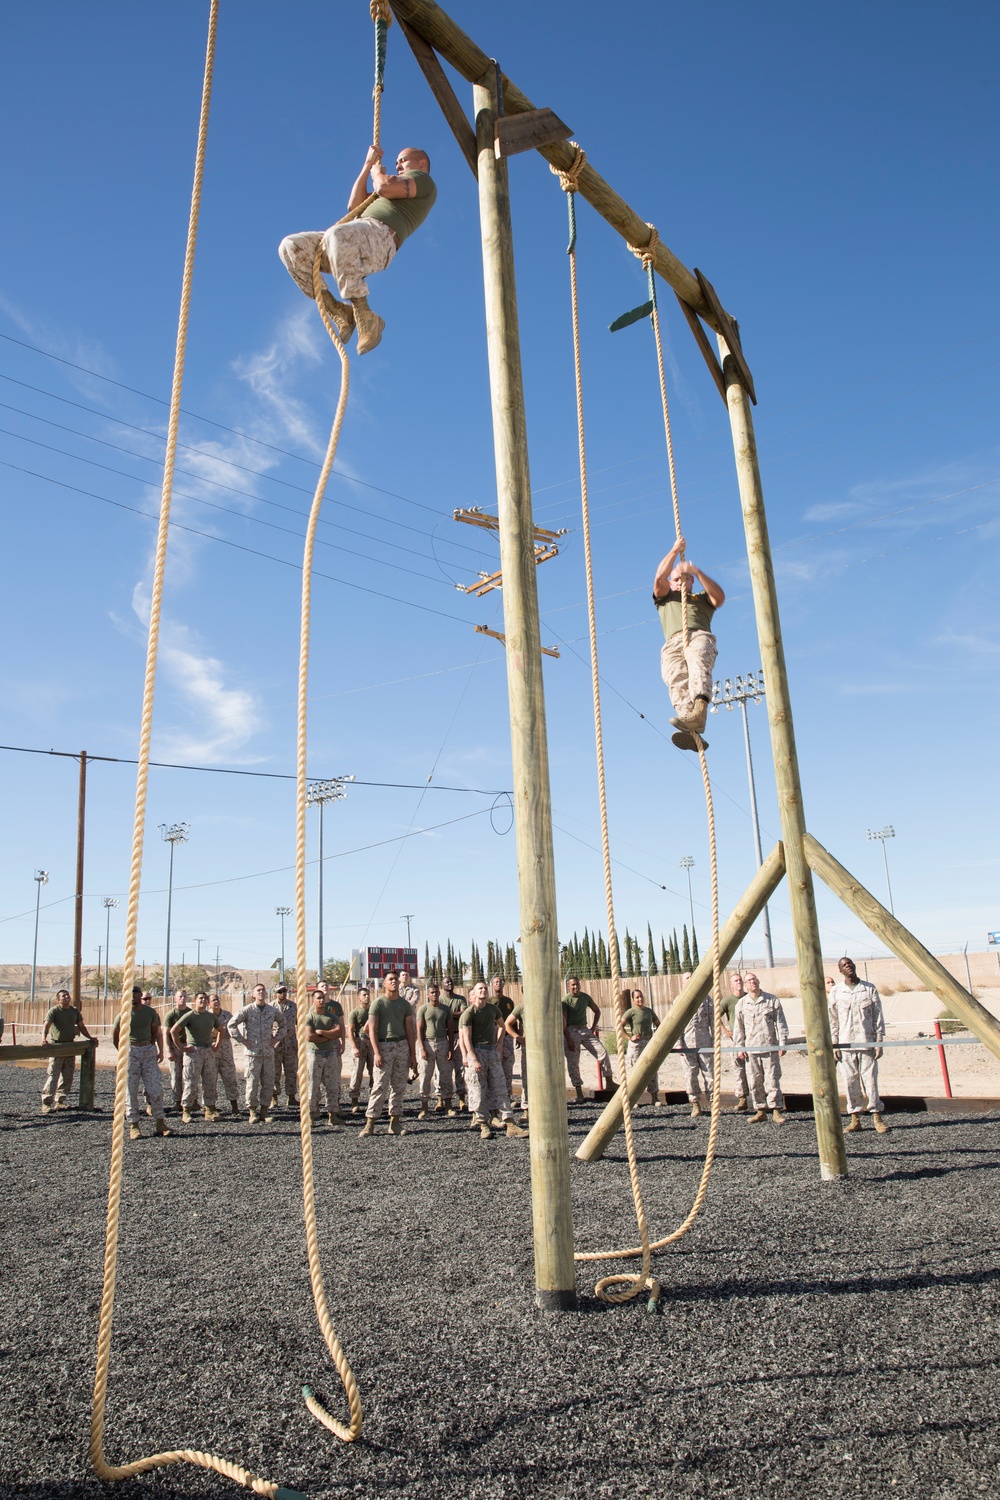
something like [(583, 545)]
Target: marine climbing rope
[(273, 1491), (623, 1287)]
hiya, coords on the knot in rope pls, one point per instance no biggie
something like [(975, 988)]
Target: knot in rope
[(569, 180), (647, 252), (380, 11)]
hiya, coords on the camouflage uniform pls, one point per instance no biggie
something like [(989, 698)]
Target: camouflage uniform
[(505, 1007), (257, 1026), (225, 1063), (517, 1015), (392, 1077), (856, 1016), (61, 1071), (575, 1008), (487, 1088), (366, 1058), (458, 1004), (639, 1023), (325, 1059), (175, 1057), (438, 1049), (699, 1034), (761, 1022), (286, 1054)]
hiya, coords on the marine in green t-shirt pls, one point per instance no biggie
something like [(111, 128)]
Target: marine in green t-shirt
[(144, 1025), (62, 1023), (479, 1025), (388, 1017), (576, 1005), (198, 1027), (366, 242), (433, 1021), (639, 1023), (357, 1021), (325, 1026)]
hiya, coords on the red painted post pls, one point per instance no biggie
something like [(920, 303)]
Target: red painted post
[(944, 1062)]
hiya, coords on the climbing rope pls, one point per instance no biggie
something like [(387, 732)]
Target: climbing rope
[(102, 1468), (627, 1286), (382, 17)]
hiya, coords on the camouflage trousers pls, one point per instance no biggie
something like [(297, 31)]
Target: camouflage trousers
[(585, 1040), (365, 1060), (324, 1077), (226, 1064), (437, 1061), (764, 1078), (201, 1075), (350, 253), (636, 1048), (175, 1062), (258, 1080), (487, 1086), (859, 1070), (507, 1062), (390, 1079), (741, 1086), (286, 1065), (523, 1054), (59, 1077), (144, 1073), (698, 1072), (688, 674)]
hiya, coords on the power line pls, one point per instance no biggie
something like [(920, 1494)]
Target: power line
[(239, 546)]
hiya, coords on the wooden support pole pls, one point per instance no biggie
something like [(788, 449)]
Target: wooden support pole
[(742, 918), (437, 28), (822, 1065), (906, 947), (555, 1275), (88, 1077), (81, 825)]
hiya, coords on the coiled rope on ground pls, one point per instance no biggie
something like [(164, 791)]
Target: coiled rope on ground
[(624, 1286)]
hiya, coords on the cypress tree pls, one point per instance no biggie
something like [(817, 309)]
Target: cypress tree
[(602, 958), (427, 960), (618, 957), (685, 952), (651, 968), (585, 964), (694, 947), (664, 957)]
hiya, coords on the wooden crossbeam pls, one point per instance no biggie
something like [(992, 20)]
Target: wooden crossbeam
[(498, 635), (708, 353), (730, 332), (529, 131), (473, 516), (443, 92)]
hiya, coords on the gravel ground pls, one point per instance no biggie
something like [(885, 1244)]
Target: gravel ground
[(835, 1340)]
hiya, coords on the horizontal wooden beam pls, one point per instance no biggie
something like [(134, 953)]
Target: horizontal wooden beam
[(901, 941), (440, 31), (529, 131), (444, 94), (743, 916)]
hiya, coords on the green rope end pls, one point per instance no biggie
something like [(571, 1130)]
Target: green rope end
[(653, 1306), (307, 1392)]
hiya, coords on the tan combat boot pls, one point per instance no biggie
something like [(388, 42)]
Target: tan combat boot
[(341, 315), (134, 1133), (449, 1110), (695, 1109), (396, 1125), (162, 1128), (485, 1132), (369, 325), (879, 1123), (854, 1125), (579, 1093), (254, 1117), (440, 1107), (211, 1114), (515, 1130), (369, 1127), (777, 1117), (355, 1105), (699, 718), (186, 1116), (758, 1118), (234, 1106), (741, 1106), (424, 1110)]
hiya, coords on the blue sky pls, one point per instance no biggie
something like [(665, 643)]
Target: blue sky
[(831, 170)]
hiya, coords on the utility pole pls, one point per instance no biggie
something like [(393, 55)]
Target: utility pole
[(408, 918), (197, 960), (41, 878), (725, 695), (879, 836), (282, 912), (81, 821), (110, 903), (172, 834), (552, 1213), (318, 793)]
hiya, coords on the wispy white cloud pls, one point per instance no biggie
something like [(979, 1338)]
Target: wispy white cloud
[(271, 372), (980, 644), (224, 718)]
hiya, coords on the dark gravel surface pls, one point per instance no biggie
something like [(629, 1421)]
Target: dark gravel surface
[(836, 1340)]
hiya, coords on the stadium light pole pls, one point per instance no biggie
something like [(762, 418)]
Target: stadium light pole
[(880, 835), (42, 878), (407, 917), (172, 834), (282, 912), (318, 794), (686, 864), (110, 902), (726, 695)]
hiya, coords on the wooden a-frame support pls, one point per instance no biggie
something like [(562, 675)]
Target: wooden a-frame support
[(431, 31)]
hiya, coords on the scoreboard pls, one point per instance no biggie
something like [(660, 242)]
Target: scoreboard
[(380, 960)]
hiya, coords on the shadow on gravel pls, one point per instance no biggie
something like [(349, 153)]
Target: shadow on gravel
[(724, 1291)]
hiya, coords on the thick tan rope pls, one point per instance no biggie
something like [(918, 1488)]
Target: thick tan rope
[(379, 11), (102, 1468), (633, 1284), (610, 1288)]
